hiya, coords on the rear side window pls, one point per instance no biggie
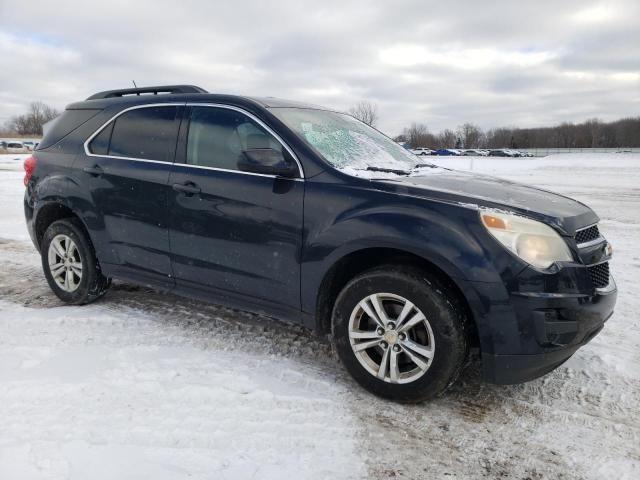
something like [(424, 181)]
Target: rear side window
[(144, 133), (61, 126)]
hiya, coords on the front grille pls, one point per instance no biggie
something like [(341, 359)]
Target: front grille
[(587, 235), (599, 275)]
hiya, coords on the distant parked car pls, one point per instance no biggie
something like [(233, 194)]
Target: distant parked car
[(502, 152), (15, 147), (422, 151), (472, 152), (448, 152)]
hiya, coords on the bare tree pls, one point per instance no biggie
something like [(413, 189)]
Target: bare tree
[(31, 122), (366, 112), (417, 136), (470, 135), (402, 138), (447, 139)]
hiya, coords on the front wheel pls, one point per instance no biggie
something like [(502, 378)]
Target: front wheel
[(70, 265), (400, 333)]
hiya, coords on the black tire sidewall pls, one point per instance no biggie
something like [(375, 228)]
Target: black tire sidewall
[(445, 318), (92, 282)]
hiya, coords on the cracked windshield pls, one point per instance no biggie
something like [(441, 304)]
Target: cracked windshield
[(346, 143)]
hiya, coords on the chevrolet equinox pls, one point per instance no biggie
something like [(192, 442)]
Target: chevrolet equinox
[(309, 215)]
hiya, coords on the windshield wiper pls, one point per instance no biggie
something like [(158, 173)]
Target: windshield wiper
[(388, 170)]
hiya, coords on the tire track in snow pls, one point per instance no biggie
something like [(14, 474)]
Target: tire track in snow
[(474, 431)]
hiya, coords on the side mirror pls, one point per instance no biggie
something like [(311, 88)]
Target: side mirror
[(267, 161)]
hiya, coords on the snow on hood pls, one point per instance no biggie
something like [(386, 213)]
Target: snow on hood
[(376, 175)]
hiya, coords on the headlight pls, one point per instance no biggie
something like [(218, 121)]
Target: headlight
[(534, 242)]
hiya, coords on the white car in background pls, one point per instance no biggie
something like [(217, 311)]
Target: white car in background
[(473, 152), (422, 151), (15, 147)]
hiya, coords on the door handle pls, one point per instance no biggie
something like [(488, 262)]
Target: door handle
[(94, 171), (188, 188)]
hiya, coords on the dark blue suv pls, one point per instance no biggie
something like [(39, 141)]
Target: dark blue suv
[(309, 215)]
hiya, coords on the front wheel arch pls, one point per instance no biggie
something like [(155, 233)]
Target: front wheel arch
[(359, 261)]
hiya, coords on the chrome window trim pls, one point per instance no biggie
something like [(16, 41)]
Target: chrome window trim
[(194, 104), (259, 122), (203, 167), (103, 126)]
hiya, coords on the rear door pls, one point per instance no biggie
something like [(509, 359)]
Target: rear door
[(234, 234), (126, 168)]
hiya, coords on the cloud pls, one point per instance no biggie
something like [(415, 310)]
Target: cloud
[(442, 63), (405, 55)]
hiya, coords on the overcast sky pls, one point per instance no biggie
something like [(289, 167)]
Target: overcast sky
[(494, 63)]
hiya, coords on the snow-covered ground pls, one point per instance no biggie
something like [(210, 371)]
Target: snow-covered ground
[(146, 385)]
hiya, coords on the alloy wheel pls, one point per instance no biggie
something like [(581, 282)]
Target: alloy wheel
[(391, 338), (65, 263)]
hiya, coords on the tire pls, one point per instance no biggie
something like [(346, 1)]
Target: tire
[(67, 238), (441, 334)]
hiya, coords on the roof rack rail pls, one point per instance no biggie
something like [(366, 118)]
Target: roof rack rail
[(148, 90)]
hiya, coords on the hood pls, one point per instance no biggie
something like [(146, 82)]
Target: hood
[(474, 190)]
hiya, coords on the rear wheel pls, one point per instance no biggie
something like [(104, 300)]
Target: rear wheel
[(70, 265), (400, 333)]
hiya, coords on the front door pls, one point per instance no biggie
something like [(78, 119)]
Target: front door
[(234, 234)]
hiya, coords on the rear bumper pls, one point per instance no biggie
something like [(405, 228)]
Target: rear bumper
[(29, 217)]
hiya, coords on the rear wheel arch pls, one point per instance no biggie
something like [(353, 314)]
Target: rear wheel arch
[(355, 263), (51, 212)]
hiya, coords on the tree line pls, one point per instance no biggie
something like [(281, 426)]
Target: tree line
[(592, 133)]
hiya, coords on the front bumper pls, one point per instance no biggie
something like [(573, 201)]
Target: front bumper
[(560, 326), (528, 332)]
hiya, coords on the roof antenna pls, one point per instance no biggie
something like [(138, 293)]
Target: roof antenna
[(134, 83)]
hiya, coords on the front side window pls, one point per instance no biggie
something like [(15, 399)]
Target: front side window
[(346, 143), (146, 133), (218, 136)]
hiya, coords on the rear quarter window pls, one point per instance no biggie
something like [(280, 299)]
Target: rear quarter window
[(100, 144), (63, 125)]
